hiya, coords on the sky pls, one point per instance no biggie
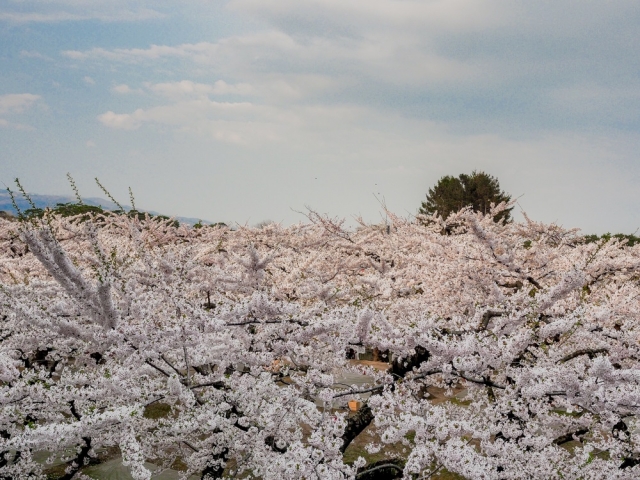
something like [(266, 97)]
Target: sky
[(244, 111)]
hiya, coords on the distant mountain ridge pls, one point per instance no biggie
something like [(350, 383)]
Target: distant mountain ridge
[(50, 201)]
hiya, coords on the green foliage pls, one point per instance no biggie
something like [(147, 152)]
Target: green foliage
[(200, 224), (631, 239), (478, 190), (65, 210), (143, 216), (85, 211)]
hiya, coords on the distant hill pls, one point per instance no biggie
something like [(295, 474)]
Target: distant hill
[(44, 201)]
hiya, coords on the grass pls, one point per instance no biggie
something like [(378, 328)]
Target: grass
[(57, 470), (157, 410)]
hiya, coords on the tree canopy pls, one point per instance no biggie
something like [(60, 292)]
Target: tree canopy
[(478, 190), (513, 350), (630, 239)]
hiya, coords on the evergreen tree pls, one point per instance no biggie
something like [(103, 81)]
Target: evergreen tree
[(478, 190)]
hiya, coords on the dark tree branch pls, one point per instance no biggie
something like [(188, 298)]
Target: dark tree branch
[(569, 437), (585, 351), (76, 464), (180, 374), (481, 381), (190, 446), (355, 426), (255, 321), (74, 412), (382, 470), (219, 385), (377, 389), (556, 393), (517, 285), (400, 367), (150, 363), (380, 388), (486, 318), (534, 282), (216, 470)]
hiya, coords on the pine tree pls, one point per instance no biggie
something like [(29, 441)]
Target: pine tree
[(478, 190)]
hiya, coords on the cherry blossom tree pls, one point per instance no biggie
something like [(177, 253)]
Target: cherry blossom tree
[(222, 351)]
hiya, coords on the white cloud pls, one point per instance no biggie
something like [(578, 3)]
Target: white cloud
[(199, 51), (347, 16), (89, 81), (17, 126), (184, 88), (120, 121), (389, 57), (56, 12), (273, 88), (122, 89), (34, 54), (478, 46), (200, 116), (17, 102), (90, 143)]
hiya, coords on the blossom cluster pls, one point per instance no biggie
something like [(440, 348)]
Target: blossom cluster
[(220, 352)]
